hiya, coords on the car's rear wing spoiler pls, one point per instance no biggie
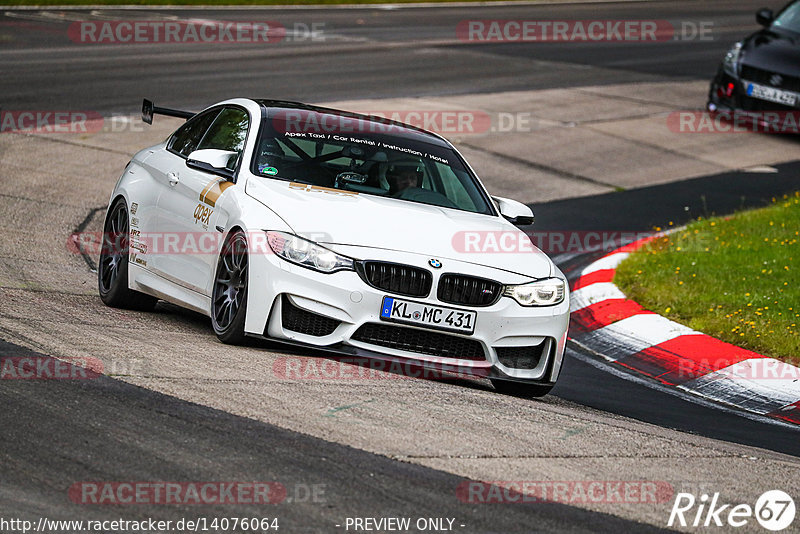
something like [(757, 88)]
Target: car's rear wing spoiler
[(148, 110)]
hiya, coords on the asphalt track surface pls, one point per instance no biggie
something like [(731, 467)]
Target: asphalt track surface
[(107, 429), (366, 53), (177, 440)]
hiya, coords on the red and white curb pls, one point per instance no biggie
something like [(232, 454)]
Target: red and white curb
[(604, 321)]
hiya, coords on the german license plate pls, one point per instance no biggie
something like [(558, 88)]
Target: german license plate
[(771, 94), (419, 314)]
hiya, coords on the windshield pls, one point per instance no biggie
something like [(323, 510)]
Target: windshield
[(789, 18), (370, 163)]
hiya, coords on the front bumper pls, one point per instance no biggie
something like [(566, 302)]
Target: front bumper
[(340, 306), (728, 94)]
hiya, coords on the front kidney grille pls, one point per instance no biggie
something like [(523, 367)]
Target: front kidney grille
[(468, 290), (396, 278)]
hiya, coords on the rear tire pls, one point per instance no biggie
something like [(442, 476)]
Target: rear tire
[(229, 296), (112, 269), (521, 389)]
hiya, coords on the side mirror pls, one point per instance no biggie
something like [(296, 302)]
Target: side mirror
[(517, 213), (147, 111), (765, 16), (213, 161)]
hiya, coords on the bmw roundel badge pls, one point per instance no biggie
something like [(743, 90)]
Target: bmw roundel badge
[(436, 264)]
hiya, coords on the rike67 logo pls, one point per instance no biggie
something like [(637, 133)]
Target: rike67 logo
[(774, 510)]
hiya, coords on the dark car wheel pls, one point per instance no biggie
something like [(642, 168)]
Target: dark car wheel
[(229, 297), (521, 389), (112, 269)]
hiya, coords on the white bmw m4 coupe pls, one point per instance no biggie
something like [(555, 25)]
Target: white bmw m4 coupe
[(343, 232)]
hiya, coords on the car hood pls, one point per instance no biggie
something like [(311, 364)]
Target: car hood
[(774, 51), (334, 217)]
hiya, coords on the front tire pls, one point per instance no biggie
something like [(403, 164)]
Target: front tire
[(112, 269), (521, 389), (229, 297)]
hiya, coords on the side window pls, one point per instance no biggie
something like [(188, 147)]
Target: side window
[(228, 132), (186, 138)]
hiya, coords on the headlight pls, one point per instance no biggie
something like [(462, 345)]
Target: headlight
[(545, 292), (307, 253), (730, 63)]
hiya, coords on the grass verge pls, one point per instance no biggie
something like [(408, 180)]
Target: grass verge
[(735, 278)]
